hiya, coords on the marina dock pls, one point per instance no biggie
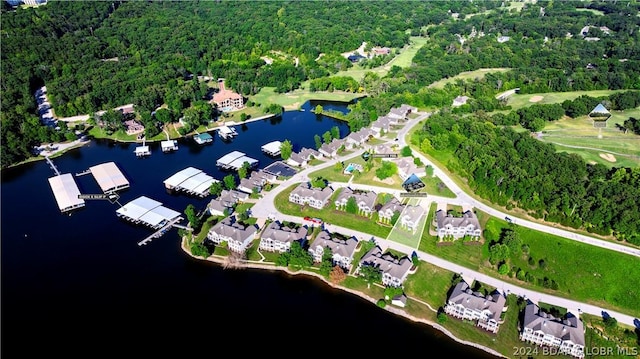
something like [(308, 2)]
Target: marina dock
[(169, 146), (203, 138), (272, 148), (234, 160), (163, 230), (226, 132), (190, 180)]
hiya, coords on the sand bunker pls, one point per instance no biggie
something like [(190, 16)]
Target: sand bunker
[(536, 99), (609, 157)]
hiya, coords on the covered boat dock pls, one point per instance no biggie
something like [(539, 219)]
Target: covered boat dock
[(190, 180), (272, 148), (234, 161), (169, 145), (66, 192), (149, 212), (109, 177)]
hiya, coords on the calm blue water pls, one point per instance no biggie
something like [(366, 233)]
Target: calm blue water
[(79, 285)]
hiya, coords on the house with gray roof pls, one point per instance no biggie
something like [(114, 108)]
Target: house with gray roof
[(365, 200), (309, 153), (406, 167), (386, 212), (400, 113), (484, 310), (540, 328), (296, 160), (384, 148), (226, 201), (457, 227), (410, 217), (237, 235), (313, 196), (355, 139), (380, 126), (394, 270), (331, 149), (278, 238), (342, 250)]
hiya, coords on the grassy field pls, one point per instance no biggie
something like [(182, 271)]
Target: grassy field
[(295, 99), (579, 136), (584, 273), (467, 75), (593, 11), (517, 101), (404, 59)]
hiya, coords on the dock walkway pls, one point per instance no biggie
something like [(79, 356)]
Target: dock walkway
[(163, 230)]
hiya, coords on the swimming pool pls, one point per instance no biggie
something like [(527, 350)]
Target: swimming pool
[(352, 167)]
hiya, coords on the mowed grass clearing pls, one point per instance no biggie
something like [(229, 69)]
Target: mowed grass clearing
[(295, 99), (467, 75), (517, 101), (403, 60), (583, 272), (577, 135)]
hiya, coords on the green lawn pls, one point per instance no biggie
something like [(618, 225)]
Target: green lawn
[(330, 215), (583, 272), (295, 99), (467, 75), (517, 101)]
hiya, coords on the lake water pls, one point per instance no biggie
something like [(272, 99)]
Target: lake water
[(80, 286)]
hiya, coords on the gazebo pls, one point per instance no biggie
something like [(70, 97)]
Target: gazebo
[(599, 115)]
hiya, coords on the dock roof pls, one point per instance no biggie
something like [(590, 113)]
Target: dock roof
[(191, 180), (147, 211), (66, 192), (109, 177), (272, 147), (238, 162), (229, 157)]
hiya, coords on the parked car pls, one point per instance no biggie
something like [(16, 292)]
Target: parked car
[(313, 220)]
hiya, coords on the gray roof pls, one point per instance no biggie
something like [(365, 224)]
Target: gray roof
[(412, 213), (468, 218), (307, 152), (464, 296), (570, 329), (228, 227), (305, 190), (297, 158), (387, 263), (363, 198), (344, 248), (393, 205), (277, 232)]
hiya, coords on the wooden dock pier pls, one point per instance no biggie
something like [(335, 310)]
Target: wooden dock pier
[(53, 166), (163, 230)]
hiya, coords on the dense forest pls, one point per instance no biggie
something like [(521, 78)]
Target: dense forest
[(98, 55)]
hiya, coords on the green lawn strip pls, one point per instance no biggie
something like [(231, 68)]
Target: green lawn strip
[(584, 273), (591, 156), (467, 75), (330, 215), (593, 11), (296, 98), (517, 101)]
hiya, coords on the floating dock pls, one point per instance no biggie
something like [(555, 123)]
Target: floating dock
[(146, 211), (234, 160), (272, 148), (142, 151), (109, 177), (190, 180), (169, 146), (227, 133), (66, 192), (203, 138)]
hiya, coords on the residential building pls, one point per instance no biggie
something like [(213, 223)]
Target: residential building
[(227, 100), (484, 310), (312, 196), (331, 149), (237, 235), (406, 167), (309, 153), (394, 270), (365, 200), (386, 212), (567, 335), (296, 160), (459, 101), (342, 249), (457, 227), (380, 126), (410, 217), (225, 202), (401, 113), (278, 238)]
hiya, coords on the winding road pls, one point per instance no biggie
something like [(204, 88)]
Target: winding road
[(265, 207)]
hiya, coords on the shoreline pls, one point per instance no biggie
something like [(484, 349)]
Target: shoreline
[(221, 260)]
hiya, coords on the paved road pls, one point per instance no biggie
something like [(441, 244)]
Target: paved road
[(265, 207)]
